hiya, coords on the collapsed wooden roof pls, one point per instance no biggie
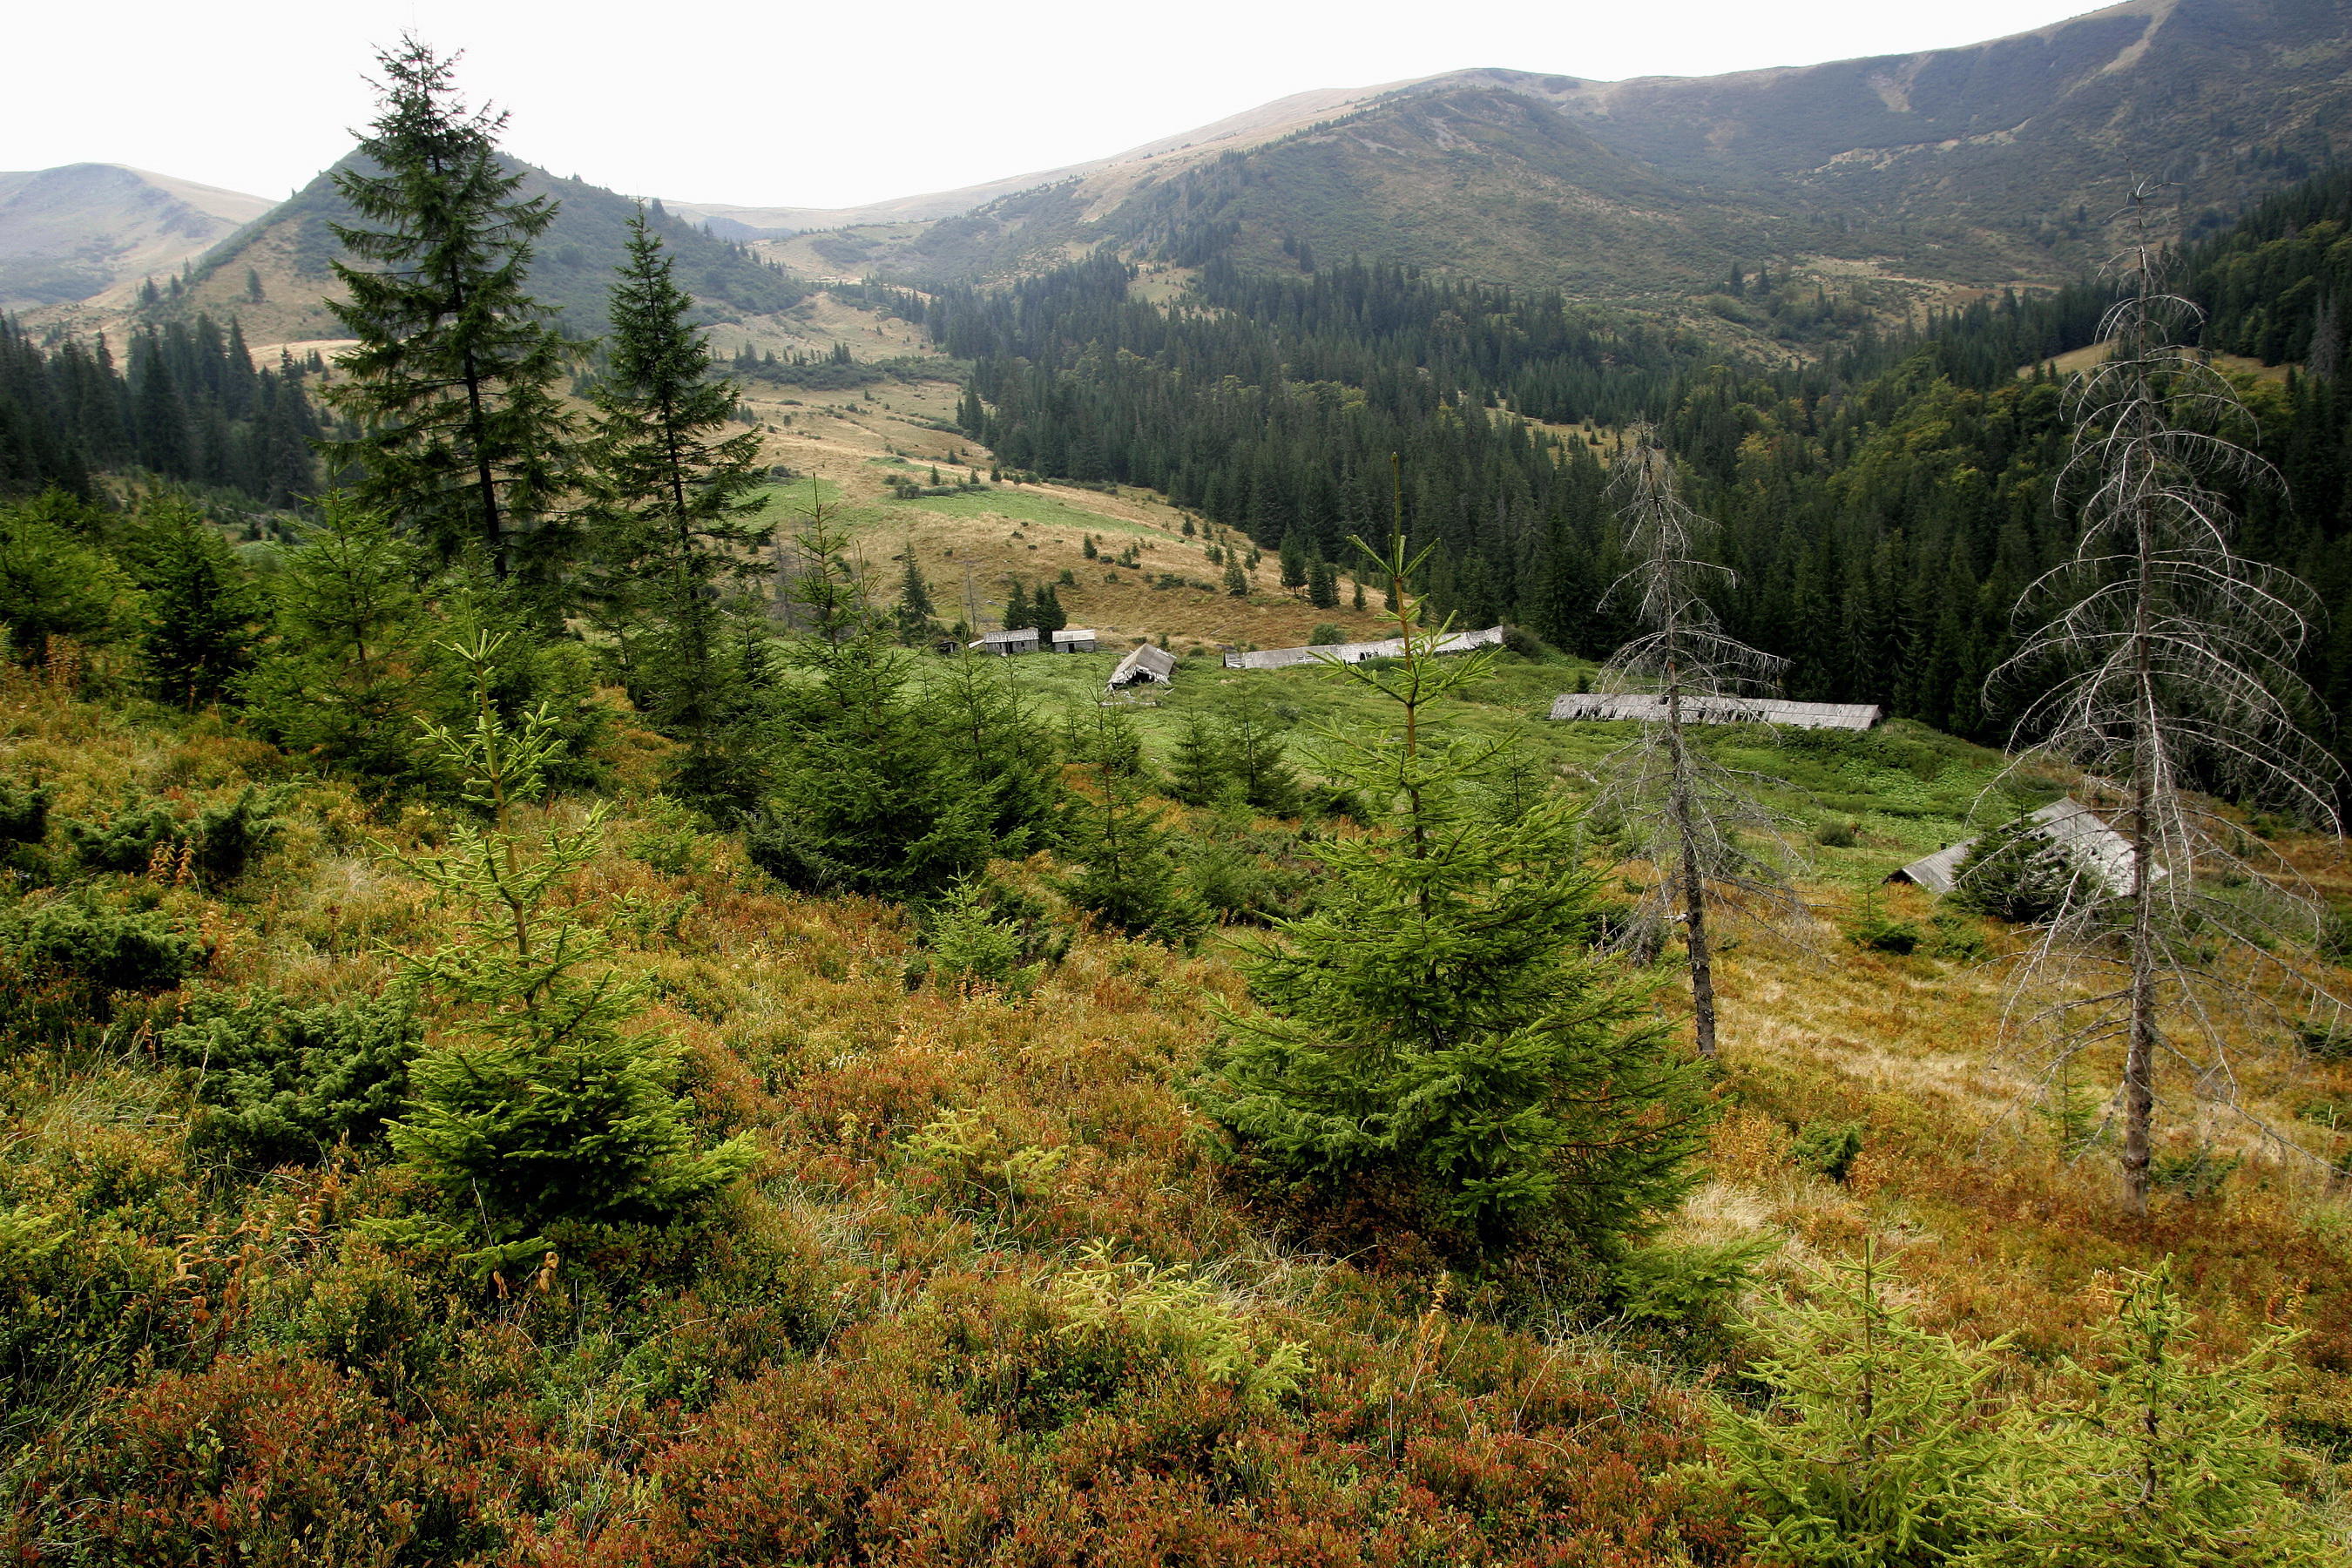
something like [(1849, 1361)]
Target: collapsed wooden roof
[(1642, 707), (1146, 663), (2093, 848)]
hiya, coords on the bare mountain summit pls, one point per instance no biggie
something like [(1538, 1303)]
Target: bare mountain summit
[(74, 232), (1234, 132)]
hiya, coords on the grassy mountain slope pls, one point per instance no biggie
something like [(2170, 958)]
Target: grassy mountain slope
[(971, 546), (988, 1296), (1975, 167), (70, 233), (2220, 97), (291, 247), (1248, 128)]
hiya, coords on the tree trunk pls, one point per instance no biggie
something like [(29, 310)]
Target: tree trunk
[(2139, 1052), (1702, 965)]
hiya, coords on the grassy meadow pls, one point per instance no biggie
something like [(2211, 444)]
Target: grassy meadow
[(989, 1293)]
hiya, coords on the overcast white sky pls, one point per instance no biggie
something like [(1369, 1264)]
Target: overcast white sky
[(833, 104)]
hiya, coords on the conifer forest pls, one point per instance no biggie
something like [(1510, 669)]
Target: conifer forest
[(673, 893)]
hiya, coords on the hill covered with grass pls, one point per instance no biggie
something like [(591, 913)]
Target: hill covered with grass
[(990, 1286)]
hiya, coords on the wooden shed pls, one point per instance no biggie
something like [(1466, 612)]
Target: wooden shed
[(1003, 644), (1075, 639)]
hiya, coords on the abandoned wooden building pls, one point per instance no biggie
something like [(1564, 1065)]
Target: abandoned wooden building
[(1001, 645), (1146, 663), (2092, 846), (1593, 706), (1354, 652)]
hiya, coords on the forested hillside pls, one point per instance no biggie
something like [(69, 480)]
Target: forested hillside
[(557, 1013), (275, 275), (1884, 506), (190, 407)]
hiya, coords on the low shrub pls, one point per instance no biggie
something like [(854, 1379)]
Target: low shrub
[(102, 947), (1144, 1315), (2324, 1040), (1872, 928), (24, 813), (1827, 1149), (2193, 1176), (225, 841), (1953, 933), (275, 1460), (287, 1083), (124, 844)]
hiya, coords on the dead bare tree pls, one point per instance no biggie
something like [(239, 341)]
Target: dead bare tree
[(1704, 830), (2162, 664)]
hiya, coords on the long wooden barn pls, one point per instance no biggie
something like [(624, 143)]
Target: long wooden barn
[(1354, 652), (1588, 707)]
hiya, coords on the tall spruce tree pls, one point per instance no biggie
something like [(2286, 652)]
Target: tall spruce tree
[(915, 612), (675, 505), (462, 436)]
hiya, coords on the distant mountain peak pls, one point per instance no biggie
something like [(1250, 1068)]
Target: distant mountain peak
[(76, 231)]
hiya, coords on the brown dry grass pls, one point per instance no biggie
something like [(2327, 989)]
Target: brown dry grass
[(970, 548)]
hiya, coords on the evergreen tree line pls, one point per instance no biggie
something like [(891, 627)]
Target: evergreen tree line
[(1884, 508), (189, 406)]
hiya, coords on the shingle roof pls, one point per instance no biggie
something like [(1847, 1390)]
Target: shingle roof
[(1599, 705), (1354, 652)]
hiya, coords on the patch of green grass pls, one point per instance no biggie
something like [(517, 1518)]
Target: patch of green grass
[(779, 501), (1910, 789), (1024, 506)]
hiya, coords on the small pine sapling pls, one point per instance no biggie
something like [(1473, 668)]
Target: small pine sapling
[(1871, 1450), (2164, 1458), (1200, 773), (1435, 1038), (535, 1109), (1128, 873)]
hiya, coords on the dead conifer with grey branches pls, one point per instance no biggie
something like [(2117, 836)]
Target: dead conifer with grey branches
[(1709, 840), (2160, 664)]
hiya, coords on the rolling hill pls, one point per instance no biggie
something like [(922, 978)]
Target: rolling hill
[(69, 232), (1997, 163), (288, 251)]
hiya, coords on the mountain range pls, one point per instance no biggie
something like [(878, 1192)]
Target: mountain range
[(1888, 178), (1999, 162)]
